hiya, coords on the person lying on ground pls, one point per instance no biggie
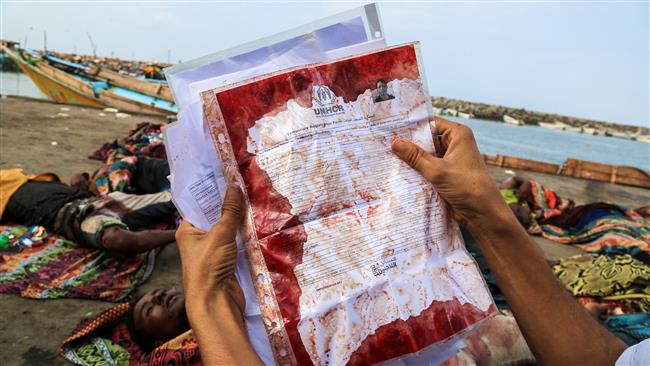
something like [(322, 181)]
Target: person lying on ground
[(78, 215), (534, 199), (157, 317), (533, 203), (143, 139), (557, 329), (129, 174)]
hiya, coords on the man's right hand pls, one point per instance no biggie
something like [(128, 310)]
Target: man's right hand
[(557, 329), (459, 176)]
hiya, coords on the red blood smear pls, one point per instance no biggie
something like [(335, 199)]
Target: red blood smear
[(439, 321), (280, 233)]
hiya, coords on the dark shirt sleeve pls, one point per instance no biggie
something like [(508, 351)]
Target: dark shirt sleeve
[(150, 175)]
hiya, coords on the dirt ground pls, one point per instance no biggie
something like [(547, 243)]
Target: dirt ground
[(32, 330), (30, 138)]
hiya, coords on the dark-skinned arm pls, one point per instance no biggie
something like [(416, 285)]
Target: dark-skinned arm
[(557, 329), (214, 300)]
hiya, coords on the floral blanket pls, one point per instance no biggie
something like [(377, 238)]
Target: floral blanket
[(40, 265), (104, 339)]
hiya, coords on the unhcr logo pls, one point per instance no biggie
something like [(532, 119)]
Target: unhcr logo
[(323, 101)]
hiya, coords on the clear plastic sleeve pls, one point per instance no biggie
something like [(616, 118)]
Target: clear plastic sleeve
[(353, 255)]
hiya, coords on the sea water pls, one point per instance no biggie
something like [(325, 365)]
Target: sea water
[(529, 142), (17, 83), (537, 143)]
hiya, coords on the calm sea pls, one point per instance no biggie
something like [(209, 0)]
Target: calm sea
[(13, 83), (493, 138), (552, 146)]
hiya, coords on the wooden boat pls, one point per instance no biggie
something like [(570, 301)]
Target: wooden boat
[(576, 168), (622, 135), (512, 121), (94, 86), (551, 126), (465, 115), (565, 127)]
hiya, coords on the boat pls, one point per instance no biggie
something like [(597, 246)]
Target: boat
[(621, 135), (450, 112), (91, 85), (512, 121), (643, 138), (465, 115), (552, 126), (565, 127), (583, 169), (437, 111)]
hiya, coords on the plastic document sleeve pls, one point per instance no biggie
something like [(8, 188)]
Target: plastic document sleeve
[(353, 256)]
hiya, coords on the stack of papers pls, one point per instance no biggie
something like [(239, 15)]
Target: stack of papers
[(353, 255)]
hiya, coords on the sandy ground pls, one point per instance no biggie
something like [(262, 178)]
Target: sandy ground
[(32, 330)]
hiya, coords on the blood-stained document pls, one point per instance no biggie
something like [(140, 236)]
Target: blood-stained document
[(354, 258)]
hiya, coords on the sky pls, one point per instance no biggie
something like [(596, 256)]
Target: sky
[(583, 59)]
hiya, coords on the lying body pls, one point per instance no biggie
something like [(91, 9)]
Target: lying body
[(80, 216)]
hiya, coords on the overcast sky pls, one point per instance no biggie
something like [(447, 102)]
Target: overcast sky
[(581, 59)]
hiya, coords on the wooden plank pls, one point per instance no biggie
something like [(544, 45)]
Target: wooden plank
[(66, 79), (607, 173), (157, 90), (124, 104), (576, 168), (522, 164)]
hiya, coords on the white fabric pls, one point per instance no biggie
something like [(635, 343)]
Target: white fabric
[(637, 355)]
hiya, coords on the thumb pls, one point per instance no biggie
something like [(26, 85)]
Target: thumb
[(231, 215), (428, 165)]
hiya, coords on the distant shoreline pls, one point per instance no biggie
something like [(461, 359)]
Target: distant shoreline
[(497, 112), (483, 111)]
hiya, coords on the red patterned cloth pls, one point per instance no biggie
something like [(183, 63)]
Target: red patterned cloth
[(108, 334)]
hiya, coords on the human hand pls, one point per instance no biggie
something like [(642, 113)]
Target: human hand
[(460, 176), (208, 259)]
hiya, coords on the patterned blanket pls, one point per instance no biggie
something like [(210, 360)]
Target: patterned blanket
[(104, 339), (597, 227), (144, 138), (39, 265), (115, 176), (618, 278), (121, 155), (615, 271)]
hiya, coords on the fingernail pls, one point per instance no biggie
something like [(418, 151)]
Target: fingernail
[(399, 145)]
